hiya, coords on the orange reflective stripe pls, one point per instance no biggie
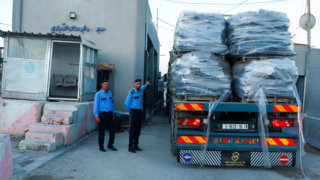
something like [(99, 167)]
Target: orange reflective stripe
[(285, 108), (189, 106), (284, 141), (196, 107), (294, 108), (180, 140), (180, 106), (279, 108), (192, 139), (280, 141), (270, 141), (201, 139), (277, 141), (186, 139), (291, 142)]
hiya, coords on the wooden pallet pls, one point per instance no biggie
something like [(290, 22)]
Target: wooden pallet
[(244, 59), (271, 100), (197, 98), (178, 54)]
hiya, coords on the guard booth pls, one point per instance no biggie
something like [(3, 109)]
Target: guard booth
[(48, 67)]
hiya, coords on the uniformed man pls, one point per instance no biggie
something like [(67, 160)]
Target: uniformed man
[(134, 106), (105, 115)]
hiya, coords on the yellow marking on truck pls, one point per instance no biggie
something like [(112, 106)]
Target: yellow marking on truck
[(271, 141), (200, 139), (196, 107), (294, 108), (186, 139), (180, 106), (280, 108), (284, 141)]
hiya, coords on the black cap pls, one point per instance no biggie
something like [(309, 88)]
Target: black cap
[(137, 80), (103, 81)]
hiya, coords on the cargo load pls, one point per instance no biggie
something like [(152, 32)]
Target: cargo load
[(200, 74), (276, 77), (201, 32), (259, 33)]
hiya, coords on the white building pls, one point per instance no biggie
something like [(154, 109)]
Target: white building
[(122, 31)]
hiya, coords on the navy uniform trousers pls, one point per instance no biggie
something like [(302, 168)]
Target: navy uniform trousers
[(106, 120), (135, 127)]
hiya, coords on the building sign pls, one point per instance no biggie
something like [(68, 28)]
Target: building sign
[(82, 29)]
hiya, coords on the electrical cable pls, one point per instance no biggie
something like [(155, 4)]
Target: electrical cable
[(221, 4)]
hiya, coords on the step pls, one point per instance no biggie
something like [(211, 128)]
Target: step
[(68, 131), (57, 119), (37, 145), (61, 106), (60, 112), (55, 137)]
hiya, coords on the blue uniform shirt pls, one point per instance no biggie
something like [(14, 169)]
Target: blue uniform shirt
[(103, 102), (133, 100)]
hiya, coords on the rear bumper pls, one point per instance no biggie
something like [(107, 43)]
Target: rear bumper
[(235, 149), (235, 158)]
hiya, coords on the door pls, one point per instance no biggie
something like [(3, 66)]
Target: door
[(89, 73)]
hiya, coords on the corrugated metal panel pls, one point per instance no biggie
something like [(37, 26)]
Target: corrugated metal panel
[(312, 98), (48, 35)]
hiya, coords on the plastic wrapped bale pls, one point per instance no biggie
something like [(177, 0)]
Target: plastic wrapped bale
[(200, 74), (201, 32), (276, 77), (259, 33)]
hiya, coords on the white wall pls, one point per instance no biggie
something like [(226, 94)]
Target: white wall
[(121, 44)]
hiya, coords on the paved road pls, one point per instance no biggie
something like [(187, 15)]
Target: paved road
[(155, 162)]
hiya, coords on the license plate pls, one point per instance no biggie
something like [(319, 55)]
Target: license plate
[(234, 126)]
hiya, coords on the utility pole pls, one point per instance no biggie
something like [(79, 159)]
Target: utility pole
[(309, 24), (157, 22)]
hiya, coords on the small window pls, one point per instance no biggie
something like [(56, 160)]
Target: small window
[(88, 55), (85, 54), (27, 48)]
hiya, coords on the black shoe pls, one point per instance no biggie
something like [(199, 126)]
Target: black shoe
[(132, 150), (112, 148), (137, 148), (102, 149)]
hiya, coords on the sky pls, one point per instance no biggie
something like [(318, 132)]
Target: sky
[(169, 11)]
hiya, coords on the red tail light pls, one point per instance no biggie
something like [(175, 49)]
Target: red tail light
[(189, 122), (282, 123)]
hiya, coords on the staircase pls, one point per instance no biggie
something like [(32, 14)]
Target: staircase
[(60, 125)]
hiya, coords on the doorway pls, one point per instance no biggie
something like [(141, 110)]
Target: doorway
[(65, 71)]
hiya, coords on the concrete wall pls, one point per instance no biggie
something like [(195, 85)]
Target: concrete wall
[(6, 166), (301, 51), (16, 116), (121, 44), (145, 29)]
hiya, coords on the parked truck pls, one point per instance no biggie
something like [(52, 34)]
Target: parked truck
[(234, 110), (233, 138)]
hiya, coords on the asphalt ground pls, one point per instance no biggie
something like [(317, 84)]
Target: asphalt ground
[(85, 161)]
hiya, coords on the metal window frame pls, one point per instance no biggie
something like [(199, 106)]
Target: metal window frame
[(80, 78)]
